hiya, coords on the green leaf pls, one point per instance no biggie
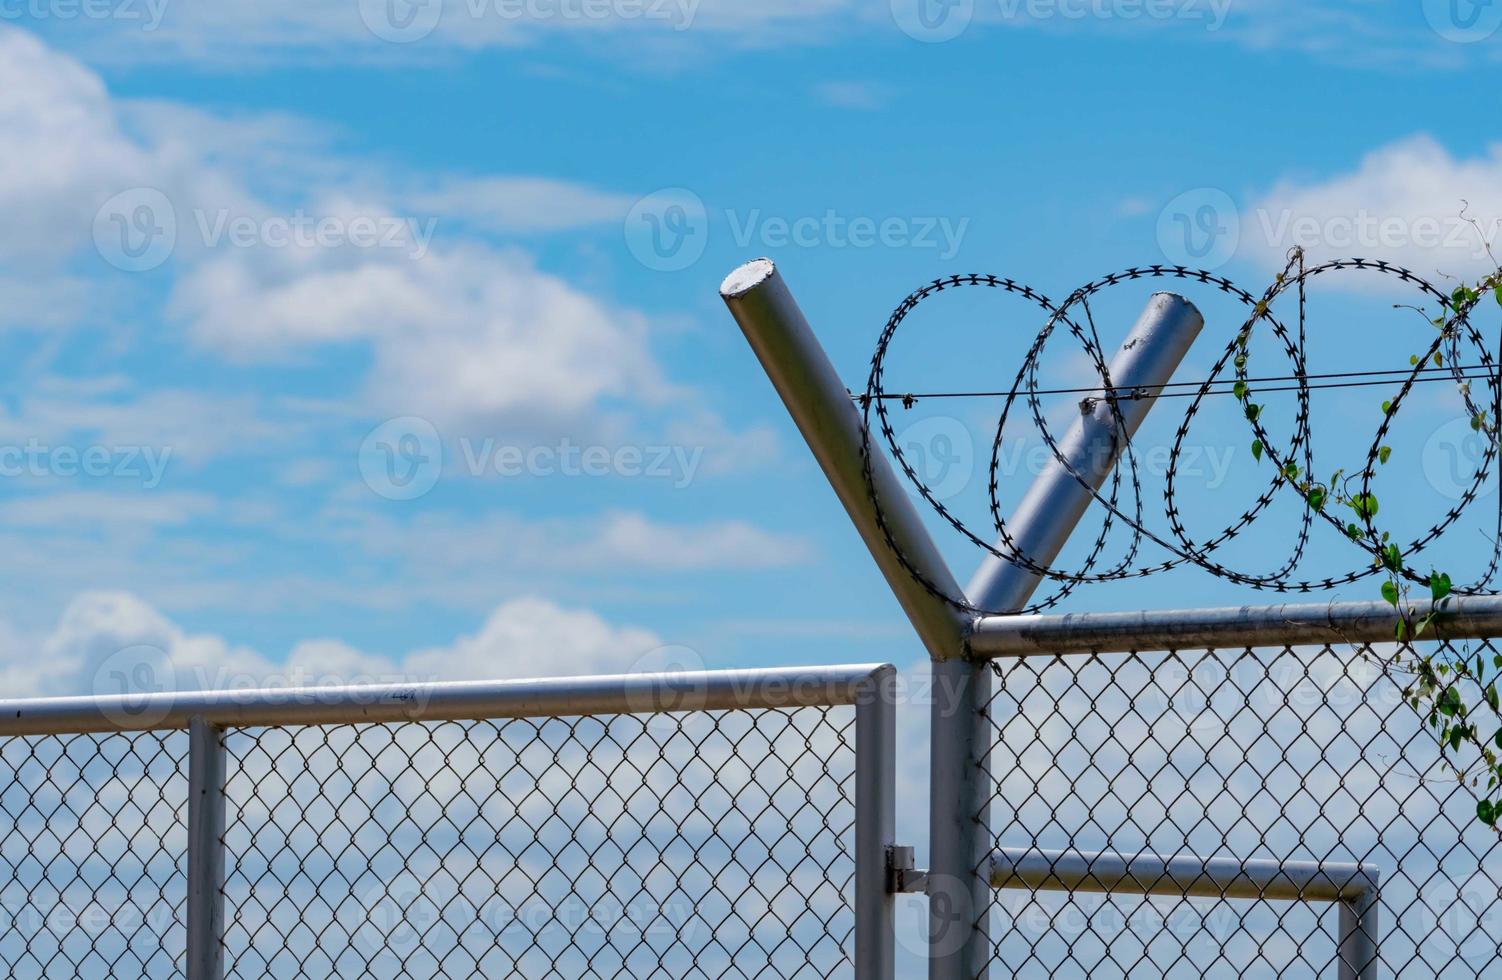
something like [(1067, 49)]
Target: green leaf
[(1486, 813), (1291, 470), (1384, 454), (1390, 593), (1253, 411), (1387, 408), (1364, 504), (1240, 389), (1439, 585), (1353, 532), (1257, 450), (1498, 293), (1317, 498)]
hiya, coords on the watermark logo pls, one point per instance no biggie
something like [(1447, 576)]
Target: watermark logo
[(1464, 21), (663, 681), (941, 452), (401, 21), (396, 919), (1200, 228), (933, 21), (667, 231), (136, 230), (1462, 917), (135, 684), (402, 459), (1453, 456)]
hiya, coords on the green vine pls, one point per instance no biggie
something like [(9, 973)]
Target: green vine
[(1447, 688)]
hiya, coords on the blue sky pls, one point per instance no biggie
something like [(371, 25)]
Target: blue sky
[(254, 249)]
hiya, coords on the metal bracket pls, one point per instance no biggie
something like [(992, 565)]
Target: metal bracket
[(902, 878)]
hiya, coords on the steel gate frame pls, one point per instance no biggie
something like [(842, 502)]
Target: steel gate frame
[(870, 689)]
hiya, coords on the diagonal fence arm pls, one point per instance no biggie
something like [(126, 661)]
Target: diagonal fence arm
[(889, 525)]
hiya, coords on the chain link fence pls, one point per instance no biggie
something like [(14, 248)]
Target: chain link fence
[(709, 827), (92, 854), (1275, 775)]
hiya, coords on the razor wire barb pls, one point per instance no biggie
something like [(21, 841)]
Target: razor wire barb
[(1345, 501)]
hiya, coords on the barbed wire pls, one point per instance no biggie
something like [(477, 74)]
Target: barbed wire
[(1442, 361)]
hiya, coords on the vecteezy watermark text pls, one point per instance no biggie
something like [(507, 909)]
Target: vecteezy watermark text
[(38, 460), (139, 229), (678, 464), (147, 13), (933, 21), (407, 21), (668, 230), (403, 459)]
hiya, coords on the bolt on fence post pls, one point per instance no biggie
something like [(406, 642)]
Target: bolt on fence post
[(960, 820), (206, 819), (875, 823)]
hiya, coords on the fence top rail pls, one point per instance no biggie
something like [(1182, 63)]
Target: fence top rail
[(994, 637), (803, 687)]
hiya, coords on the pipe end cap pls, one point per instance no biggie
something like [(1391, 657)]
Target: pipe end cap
[(747, 277)]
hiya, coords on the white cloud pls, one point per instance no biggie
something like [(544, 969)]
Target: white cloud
[(1408, 202), (114, 642), (458, 331), (461, 335)]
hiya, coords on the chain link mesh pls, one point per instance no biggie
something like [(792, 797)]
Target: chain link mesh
[(92, 855), (696, 845), (1289, 754), (703, 845)]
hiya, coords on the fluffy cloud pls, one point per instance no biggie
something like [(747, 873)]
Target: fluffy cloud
[(281, 251), (1412, 202), (112, 643), (458, 335)]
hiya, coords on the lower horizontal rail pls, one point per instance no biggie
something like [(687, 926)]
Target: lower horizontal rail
[(1150, 874), (1353, 886)]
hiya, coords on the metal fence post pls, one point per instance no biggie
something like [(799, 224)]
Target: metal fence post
[(1358, 935), (886, 519), (875, 824), (206, 818), (959, 822)]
